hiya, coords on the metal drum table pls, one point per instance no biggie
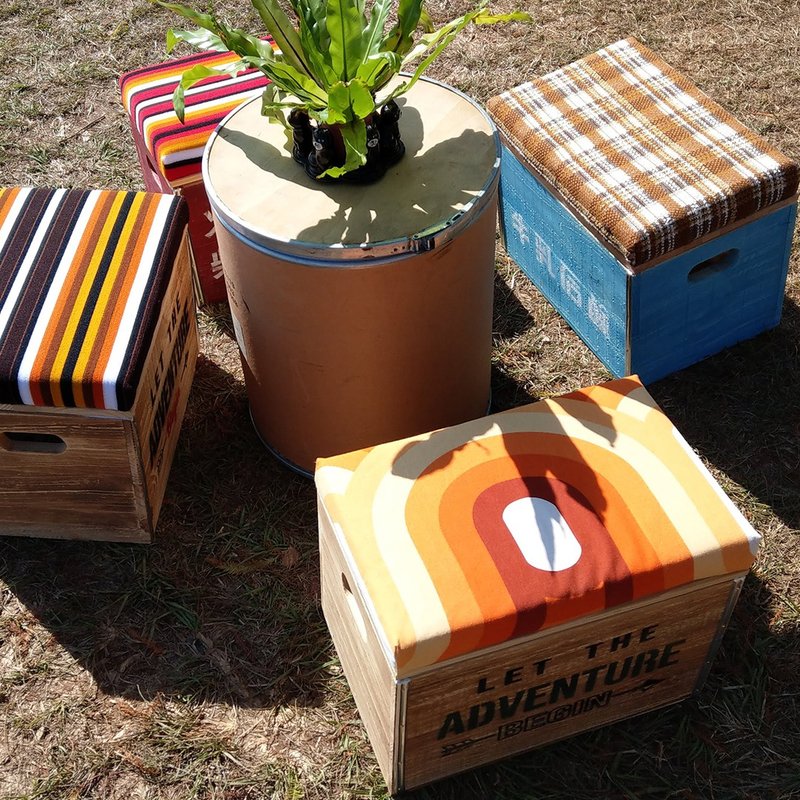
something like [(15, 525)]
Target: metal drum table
[(363, 313)]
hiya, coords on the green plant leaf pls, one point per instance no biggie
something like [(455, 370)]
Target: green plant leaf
[(201, 38), (439, 39), (291, 80), (354, 136), (195, 75), (316, 44), (373, 35), (361, 100), (284, 34), (378, 69), (346, 24), (348, 102), (487, 18), (274, 106), (401, 36)]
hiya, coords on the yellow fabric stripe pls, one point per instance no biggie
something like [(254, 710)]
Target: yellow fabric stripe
[(67, 339)]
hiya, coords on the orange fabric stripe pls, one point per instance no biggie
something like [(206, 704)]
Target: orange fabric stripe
[(72, 319)]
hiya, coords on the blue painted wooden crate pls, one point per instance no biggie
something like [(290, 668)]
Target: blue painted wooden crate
[(655, 263)]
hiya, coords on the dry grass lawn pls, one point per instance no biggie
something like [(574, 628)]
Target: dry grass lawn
[(201, 667)]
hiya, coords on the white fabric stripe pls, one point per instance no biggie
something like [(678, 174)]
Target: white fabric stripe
[(25, 267), (332, 480), (183, 155), (143, 270), (46, 313)]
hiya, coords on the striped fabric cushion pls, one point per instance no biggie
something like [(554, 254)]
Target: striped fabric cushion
[(640, 152), (477, 534), (177, 148), (82, 277)]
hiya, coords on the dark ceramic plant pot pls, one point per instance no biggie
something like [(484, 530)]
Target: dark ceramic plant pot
[(318, 147)]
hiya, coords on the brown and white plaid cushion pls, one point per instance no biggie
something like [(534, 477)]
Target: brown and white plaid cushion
[(640, 152)]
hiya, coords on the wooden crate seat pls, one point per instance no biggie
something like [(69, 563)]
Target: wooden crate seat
[(511, 581), (97, 352), (656, 224), (170, 151), (640, 153)]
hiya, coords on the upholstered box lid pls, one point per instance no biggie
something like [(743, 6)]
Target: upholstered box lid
[(475, 535), (639, 152), (82, 277), (177, 148)]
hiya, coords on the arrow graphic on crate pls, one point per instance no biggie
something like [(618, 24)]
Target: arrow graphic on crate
[(644, 686), (457, 747)]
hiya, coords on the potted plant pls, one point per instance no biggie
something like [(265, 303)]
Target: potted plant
[(331, 74)]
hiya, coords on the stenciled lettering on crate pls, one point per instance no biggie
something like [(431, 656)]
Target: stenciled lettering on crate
[(166, 381), (558, 684)]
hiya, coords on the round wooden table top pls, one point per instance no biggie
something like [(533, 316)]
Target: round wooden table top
[(450, 166)]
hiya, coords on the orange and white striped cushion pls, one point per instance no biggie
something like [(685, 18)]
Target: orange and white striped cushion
[(82, 277), (481, 533)]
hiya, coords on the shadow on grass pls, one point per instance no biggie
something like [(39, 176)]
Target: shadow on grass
[(741, 411), (510, 320), (224, 605)]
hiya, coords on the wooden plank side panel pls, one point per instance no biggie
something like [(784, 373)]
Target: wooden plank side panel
[(165, 383), (371, 680), (556, 684), (66, 474)]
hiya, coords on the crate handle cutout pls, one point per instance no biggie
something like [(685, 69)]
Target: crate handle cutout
[(354, 609), (28, 442), (711, 266)]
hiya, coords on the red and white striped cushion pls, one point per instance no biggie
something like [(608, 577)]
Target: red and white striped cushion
[(176, 147)]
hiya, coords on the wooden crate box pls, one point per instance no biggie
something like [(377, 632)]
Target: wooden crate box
[(655, 223), (170, 152), (97, 355), (508, 582)]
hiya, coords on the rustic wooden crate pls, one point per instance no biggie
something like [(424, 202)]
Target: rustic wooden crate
[(707, 266), (95, 473), (434, 707), (170, 152)]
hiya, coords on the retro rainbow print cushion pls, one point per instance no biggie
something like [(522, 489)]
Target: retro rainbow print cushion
[(470, 536)]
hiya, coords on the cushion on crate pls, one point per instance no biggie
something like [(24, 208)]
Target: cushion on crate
[(82, 276), (177, 148), (474, 535), (640, 152)]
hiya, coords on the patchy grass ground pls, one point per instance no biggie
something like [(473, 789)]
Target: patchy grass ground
[(201, 666)]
